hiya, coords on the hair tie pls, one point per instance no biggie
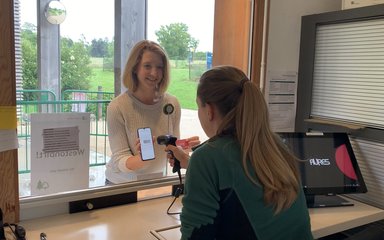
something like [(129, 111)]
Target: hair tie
[(242, 82)]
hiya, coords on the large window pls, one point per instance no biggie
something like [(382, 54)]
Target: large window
[(87, 67), (341, 84), (85, 80), (146, 19)]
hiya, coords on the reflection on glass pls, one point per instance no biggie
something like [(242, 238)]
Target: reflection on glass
[(55, 12)]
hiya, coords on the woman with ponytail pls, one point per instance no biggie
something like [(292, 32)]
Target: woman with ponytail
[(243, 183)]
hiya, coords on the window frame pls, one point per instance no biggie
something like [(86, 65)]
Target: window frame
[(304, 121)]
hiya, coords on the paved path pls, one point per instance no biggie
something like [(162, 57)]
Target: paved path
[(190, 125)]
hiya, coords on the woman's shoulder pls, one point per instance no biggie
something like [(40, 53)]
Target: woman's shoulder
[(118, 103), (215, 154), (170, 97), (217, 146), (119, 98)]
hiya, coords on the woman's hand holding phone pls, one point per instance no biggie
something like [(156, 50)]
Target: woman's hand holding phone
[(147, 150), (135, 162)]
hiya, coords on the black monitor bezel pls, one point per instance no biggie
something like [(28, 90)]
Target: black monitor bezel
[(336, 189)]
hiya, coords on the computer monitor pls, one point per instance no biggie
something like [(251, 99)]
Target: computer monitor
[(328, 167)]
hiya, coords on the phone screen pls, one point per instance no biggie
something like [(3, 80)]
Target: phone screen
[(146, 142)]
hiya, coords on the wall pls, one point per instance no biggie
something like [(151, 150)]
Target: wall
[(347, 4), (9, 191), (284, 30), (282, 56)]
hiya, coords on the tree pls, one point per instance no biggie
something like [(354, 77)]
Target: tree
[(111, 48), (99, 47), (176, 40), (75, 69), (193, 43), (29, 56)]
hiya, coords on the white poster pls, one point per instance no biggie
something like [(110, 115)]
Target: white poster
[(280, 93), (59, 152)]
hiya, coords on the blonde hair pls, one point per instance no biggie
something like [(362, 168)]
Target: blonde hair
[(130, 79), (245, 116)]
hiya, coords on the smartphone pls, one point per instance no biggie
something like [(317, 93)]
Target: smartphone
[(146, 142)]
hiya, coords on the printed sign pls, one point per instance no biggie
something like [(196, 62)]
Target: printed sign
[(59, 152)]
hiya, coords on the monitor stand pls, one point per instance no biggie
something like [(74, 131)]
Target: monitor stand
[(319, 201)]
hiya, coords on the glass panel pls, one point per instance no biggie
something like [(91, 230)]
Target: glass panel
[(87, 78), (191, 23), (87, 72)]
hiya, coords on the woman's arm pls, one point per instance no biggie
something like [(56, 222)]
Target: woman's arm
[(201, 198), (122, 155), (181, 153)]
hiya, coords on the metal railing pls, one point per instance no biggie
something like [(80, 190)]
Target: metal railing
[(41, 101)]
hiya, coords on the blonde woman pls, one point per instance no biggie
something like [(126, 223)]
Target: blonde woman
[(242, 183), (146, 76)]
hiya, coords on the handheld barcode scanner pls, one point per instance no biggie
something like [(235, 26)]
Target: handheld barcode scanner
[(169, 139), (166, 140)]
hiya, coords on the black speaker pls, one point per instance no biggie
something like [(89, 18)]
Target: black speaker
[(20, 232), (102, 202)]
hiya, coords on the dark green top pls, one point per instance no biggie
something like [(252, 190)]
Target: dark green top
[(220, 202)]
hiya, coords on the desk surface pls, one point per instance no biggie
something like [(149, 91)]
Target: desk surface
[(130, 221), (327, 221), (136, 220)]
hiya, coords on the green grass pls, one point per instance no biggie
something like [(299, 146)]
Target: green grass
[(181, 87), (102, 78), (96, 62)]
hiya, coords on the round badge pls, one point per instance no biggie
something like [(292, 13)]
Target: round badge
[(168, 109)]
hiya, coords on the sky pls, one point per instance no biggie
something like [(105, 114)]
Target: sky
[(94, 18)]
